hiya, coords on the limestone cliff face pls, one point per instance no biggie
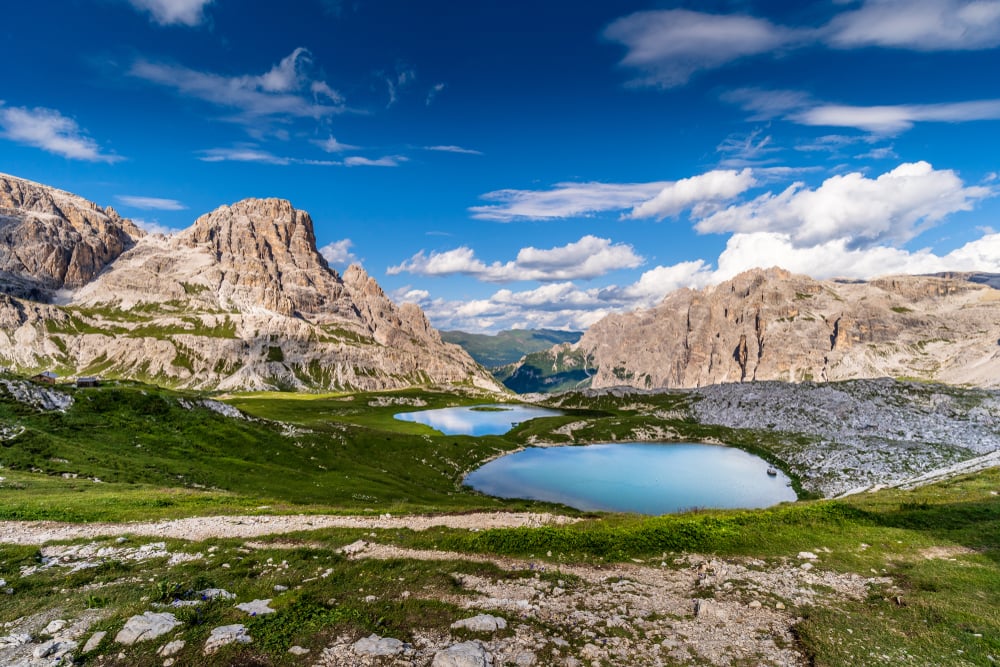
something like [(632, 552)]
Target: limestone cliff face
[(50, 239), (241, 300), (773, 325)]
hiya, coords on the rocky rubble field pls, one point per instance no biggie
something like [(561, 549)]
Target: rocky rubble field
[(861, 433)]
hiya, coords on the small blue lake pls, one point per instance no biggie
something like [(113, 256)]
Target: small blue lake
[(642, 478), (494, 419)]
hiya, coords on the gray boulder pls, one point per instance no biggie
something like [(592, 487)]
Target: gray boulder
[(466, 654), (481, 623), (226, 634), (148, 626), (378, 646)]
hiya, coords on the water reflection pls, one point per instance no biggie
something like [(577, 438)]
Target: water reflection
[(493, 419)]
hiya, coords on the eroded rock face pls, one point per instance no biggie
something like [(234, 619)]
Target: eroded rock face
[(50, 239), (773, 325), (241, 300)]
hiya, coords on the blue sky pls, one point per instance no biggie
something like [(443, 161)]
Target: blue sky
[(526, 164)]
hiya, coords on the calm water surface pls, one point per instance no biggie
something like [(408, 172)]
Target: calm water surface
[(495, 420), (646, 478)]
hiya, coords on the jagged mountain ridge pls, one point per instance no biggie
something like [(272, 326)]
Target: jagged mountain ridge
[(240, 300), (773, 325)]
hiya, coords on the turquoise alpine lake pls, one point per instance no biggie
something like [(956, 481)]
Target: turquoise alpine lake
[(493, 419), (658, 478)]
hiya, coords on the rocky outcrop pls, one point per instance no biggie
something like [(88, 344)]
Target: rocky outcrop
[(773, 325), (241, 300), (50, 239)]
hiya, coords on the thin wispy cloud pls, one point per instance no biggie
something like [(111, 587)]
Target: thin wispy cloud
[(587, 258), (151, 203), (453, 149), (287, 89), (385, 161), (174, 12), (803, 109), (331, 145), (52, 132), (254, 154), (434, 91), (667, 47)]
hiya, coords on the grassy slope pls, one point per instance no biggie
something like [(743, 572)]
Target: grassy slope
[(506, 347), (944, 610)]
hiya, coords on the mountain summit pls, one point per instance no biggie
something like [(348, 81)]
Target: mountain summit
[(240, 300)]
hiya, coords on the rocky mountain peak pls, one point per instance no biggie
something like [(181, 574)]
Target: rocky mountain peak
[(50, 239), (770, 324)]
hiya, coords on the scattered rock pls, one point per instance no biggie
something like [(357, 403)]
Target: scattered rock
[(353, 548), (18, 639), (149, 625), (256, 607), (171, 648), (55, 626), (278, 588), (298, 650), (481, 623), (755, 604), (94, 641), (226, 634), (709, 610), (466, 654), (213, 593), (807, 555), (53, 648), (378, 646)]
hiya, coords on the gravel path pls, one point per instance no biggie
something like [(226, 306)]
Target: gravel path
[(201, 528)]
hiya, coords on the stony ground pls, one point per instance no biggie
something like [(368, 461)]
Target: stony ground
[(676, 610)]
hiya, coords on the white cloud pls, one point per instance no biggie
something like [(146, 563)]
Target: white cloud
[(589, 257), (881, 153), (331, 145), (386, 161), (285, 90), (434, 91), (151, 203), (251, 153), (838, 259), (564, 200), (51, 131), (658, 199), (669, 46), (453, 149), (154, 227), (920, 25), (174, 12), (896, 118), (397, 82), (895, 207), (338, 253), (698, 192)]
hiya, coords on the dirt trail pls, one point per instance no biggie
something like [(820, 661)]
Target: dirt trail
[(201, 528)]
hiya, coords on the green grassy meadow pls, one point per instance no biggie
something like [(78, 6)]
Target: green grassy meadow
[(159, 454)]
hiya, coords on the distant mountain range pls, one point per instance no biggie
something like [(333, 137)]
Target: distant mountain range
[(240, 300), (773, 325), (506, 347)]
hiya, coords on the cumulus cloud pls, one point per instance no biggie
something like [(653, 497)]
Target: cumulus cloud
[(668, 46), (52, 132), (837, 258), (154, 227), (174, 12), (587, 258), (698, 192), (287, 89), (338, 253), (151, 203), (894, 207), (658, 199)]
